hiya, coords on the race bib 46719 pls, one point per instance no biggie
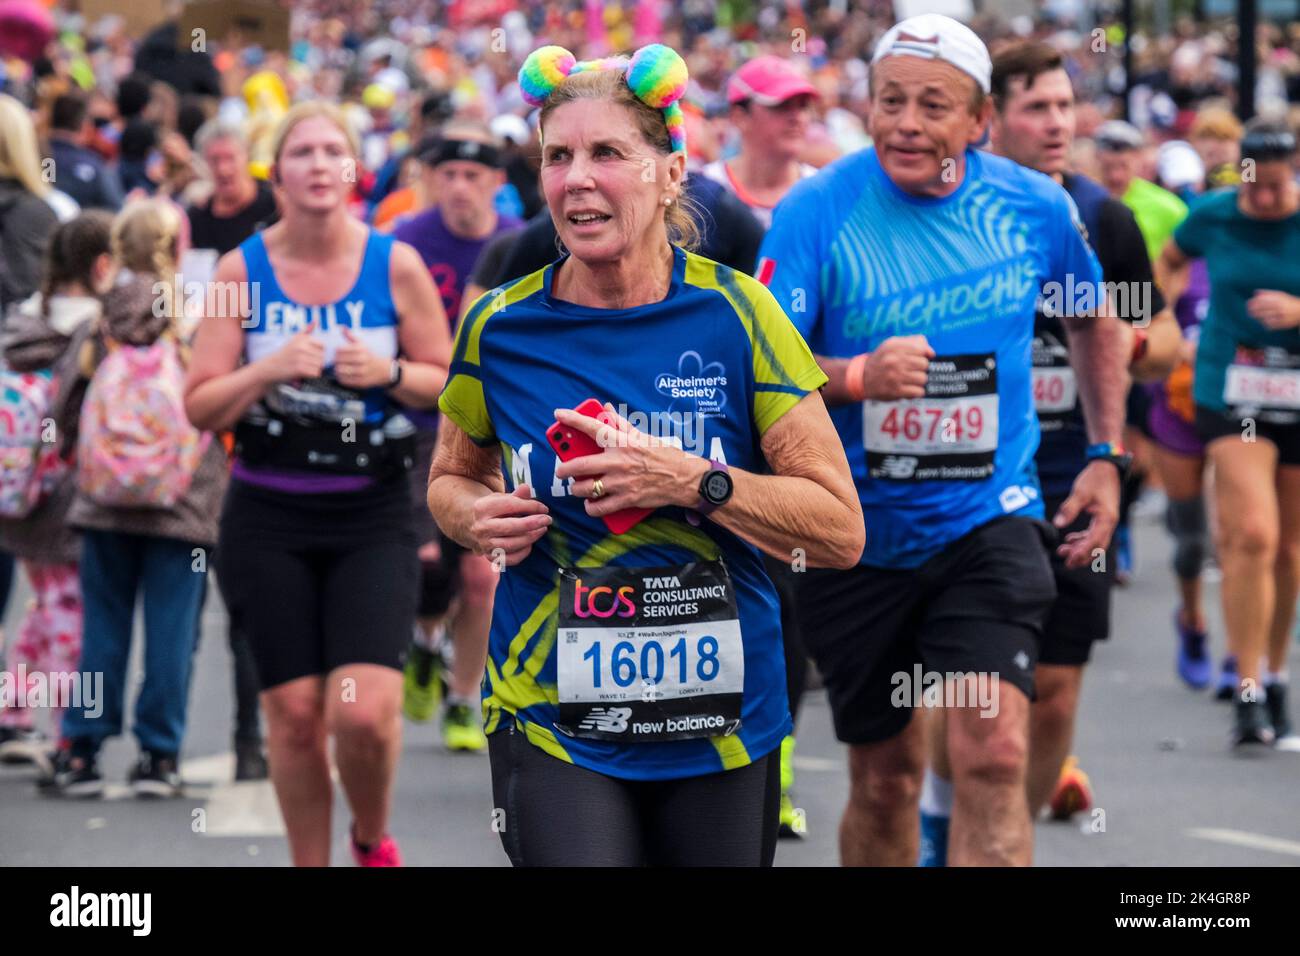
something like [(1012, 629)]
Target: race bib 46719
[(949, 435)]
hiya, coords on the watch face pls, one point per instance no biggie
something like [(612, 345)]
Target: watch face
[(717, 486)]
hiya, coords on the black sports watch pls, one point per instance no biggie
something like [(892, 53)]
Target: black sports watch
[(1114, 454), (395, 375), (715, 487)]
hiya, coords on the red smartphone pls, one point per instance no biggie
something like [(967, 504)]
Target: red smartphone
[(570, 444)]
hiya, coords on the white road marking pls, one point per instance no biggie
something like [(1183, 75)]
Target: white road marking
[(232, 809), (212, 769), (244, 810), (1253, 841)]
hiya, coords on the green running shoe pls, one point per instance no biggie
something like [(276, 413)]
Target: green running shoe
[(422, 684), (462, 729), (793, 824), (787, 764)]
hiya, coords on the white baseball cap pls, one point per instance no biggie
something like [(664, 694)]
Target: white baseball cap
[(936, 37), (1179, 165), (510, 126)]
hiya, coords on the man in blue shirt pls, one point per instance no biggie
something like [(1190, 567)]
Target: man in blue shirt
[(913, 269)]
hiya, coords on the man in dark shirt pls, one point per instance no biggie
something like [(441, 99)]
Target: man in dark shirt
[(1033, 124), (78, 171), (187, 70), (240, 205), (462, 167)]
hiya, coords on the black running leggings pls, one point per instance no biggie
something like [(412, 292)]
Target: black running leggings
[(559, 814)]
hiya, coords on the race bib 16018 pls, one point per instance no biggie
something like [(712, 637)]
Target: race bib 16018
[(649, 654)]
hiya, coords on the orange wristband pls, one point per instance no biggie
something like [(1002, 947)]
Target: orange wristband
[(854, 383), (1140, 345)]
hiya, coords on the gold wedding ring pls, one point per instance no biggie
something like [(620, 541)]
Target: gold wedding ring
[(597, 488)]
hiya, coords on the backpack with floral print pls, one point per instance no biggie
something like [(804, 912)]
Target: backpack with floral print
[(136, 446), (30, 465)]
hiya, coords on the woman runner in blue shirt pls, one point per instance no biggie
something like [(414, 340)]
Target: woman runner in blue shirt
[(635, 694)]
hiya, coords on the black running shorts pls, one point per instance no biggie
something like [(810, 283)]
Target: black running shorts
[(1080, 614), (319, 581), (1211, 424), (976, 607)]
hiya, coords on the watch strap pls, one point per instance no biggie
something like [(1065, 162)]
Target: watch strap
[(705, 506)]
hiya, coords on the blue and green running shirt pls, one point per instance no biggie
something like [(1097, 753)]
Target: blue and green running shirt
[(855, 260), (713, 365)]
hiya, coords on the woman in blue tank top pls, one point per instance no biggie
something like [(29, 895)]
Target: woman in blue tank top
[(313, 331)]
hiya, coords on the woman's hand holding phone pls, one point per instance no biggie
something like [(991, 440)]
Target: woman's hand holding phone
[(638, 472)]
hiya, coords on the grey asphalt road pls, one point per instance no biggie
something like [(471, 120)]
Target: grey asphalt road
[(1171, 793)]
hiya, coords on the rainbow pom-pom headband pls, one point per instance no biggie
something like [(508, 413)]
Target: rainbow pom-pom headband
[(655, 74)]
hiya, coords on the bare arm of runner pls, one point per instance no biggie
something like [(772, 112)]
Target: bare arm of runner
[(1097, 352), (425, 333), (1172, 269), (467, 498), (1164, 343), (896, 369), (422, 332), (1276, 310)]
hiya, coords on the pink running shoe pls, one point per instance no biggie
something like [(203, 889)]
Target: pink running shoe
[(383, 853)]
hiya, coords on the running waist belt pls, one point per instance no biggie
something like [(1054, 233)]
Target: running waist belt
[(351, 449)]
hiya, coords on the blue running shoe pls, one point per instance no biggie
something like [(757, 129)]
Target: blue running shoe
[(1123, 545), (1193, 662), (934, 841), (1226, 689)]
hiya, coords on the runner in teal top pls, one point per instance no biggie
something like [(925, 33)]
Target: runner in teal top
[(1244, 254), (1247, 394)]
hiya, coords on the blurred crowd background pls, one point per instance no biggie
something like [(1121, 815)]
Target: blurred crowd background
[(121, 94)]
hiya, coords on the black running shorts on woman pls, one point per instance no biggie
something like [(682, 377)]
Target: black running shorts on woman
[(319, 581)]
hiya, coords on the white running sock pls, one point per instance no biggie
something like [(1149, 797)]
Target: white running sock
[(936, 795), (430, 642)]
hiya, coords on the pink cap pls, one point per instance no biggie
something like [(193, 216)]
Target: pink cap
[(768, 81)]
